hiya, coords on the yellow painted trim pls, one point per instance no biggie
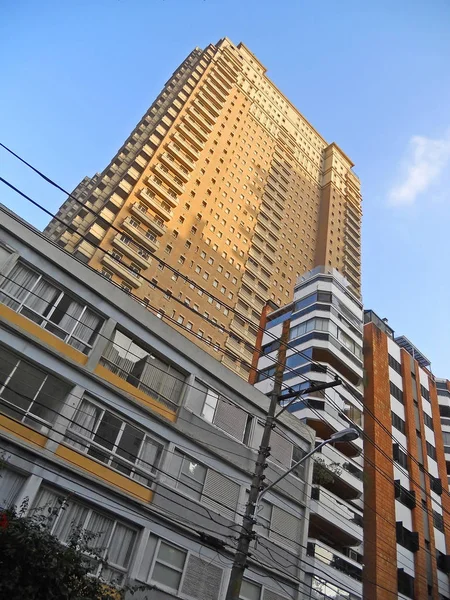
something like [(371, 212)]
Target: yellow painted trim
[(26, 433), (117, 381), (105, 473), (45, 336)]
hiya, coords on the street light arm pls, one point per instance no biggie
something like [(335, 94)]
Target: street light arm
[(294, 466)]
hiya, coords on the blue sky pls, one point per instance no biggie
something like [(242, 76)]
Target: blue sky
[(372, 76)]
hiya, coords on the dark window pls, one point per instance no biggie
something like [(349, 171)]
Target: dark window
[(399, 456), (425, 393), (443, 561), (405, 583), (436, 485), (395, 364), (431, 451), (444, 410), (406, 538), (406, 497), (397, 422), (438, 521), (428, 421), (396, 392)]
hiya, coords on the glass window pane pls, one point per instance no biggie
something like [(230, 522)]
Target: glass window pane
[(166, 576), (23, 385), (72, 519), (194, 470), (130, 443), (42, 299), (7, 363), (100, 527), (121, 545), (49, 399), (17, 285), (250, 590), (170, 554), (108, 430)]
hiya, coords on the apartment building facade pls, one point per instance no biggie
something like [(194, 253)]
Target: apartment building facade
[(150, 441), (406, 518), (225, 181), (443, 394), (323, 330)]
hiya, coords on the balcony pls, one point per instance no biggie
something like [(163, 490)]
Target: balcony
[(140, 212), (254, 302), (116, 200), (239, 349), (133, 251), (146, 239), (156, 185), (206, 101), (348, 484), (222, 74), (256, 270), (265, 234), (336, 560), (201, 134), (352, 229), (129, 276), (190, 137), (186, 145), (337, 511), (149, 197), (352, 270), (351, 239), (243, 333), (216, 82), (169, 178), (269, 199), (214, 93), (173, 164), (352, 252), (261, 244), (202, 120), (254, 285), (176, 151)]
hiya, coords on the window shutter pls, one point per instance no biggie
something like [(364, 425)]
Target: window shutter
[(285, 528), (202, 579), (224, 491), (231, 419), (280, 450)]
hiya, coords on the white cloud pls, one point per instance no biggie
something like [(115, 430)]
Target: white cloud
[(426, 159)]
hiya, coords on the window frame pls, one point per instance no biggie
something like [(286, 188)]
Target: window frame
[(91, 509), (155, 561), (112, 453), (45, 426), (45, 320)]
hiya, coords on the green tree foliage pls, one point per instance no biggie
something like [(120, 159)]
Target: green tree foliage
[(34, 565)]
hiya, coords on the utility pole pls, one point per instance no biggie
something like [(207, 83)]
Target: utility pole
[(246, 534)]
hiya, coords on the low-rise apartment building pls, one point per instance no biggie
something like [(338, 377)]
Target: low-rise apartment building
[(150, 441)]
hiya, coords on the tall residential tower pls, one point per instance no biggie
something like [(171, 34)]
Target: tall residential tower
[(225, 181)]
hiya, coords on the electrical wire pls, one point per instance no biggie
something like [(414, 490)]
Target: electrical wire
[(284, 436), (160, 261), (222, 303), (197, 388)]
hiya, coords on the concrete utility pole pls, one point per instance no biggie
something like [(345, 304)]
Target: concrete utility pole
[(246, 533)]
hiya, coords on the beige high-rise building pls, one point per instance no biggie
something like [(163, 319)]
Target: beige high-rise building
[(228, 183)]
